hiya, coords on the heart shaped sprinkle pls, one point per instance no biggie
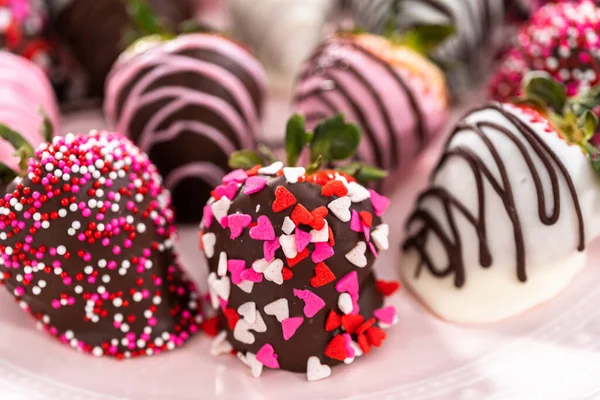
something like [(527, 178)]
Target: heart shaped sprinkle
[(300, 215), (322, 252), (254, 170), (241, 332), (259, 325), (357, 350), (363, 343), (237, 175), (336, 348), (348, 346), (288, 245), (235, 268), (333, 321), (236, 223), (356, 223), (381, 236), (366, 217), (315, 370), (232, 317), (387, 288), (350, 323), (301, 256), (331, 238), (334, 188), (365, 325), (293, 173), (229, 191), (287, 274), (263, 230), (256, 366), (345, 303), (349, 284), (302, 239), (210, 326), (254, 184), (312, 303), (341, 208), (271, 169), (222, 266), (290, 325), (246, 286), (220, 208), (357, 255), (279, 309), (222, 287), (266, 356), (248, 311), (380, 203), (375, 336), (207, 215), (220, 345), (208, 244), (260, 265), (387, 315), (323, 276), (273, 272), (319, 215), (251, 275), (373, 249), (288, 226), (357, 192), (214, 297), (284, 199), (322, 235), (269, 248)]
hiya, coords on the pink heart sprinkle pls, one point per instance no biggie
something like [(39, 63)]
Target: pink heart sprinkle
[(208, 215), (238, 176), (349, 284), (223, 303), (269, 249), (224, 222), (228, 191), (237, 223), (267, 357), (355, 306), (312, 303), (302, 239), (290, 325), (236, 267), (367, 232), (380, 203), (255, 184), (385, 314), (251, 275), (372, 247), (322, 252), (355, 222), (348, 345), (263, 230)]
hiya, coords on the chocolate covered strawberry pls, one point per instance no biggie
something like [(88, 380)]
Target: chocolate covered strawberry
[(291, 250), (86, 247)]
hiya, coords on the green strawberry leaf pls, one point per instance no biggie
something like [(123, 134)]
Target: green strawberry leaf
[(334, 140), (588, 123), (296, 138), (363, 172), (541, 87), (425, 38), (266, 154), (7, 174), (244, 159), (145, 21), (594, 156), (47, 127)]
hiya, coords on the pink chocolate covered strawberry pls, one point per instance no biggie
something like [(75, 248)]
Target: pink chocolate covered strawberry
[(291, 250), (86, 247)]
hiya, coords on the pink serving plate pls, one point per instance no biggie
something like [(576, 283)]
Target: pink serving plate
[(551, 352)]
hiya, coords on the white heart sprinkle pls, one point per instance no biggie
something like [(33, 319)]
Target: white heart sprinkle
[(241, 332), (349, 360), (357, 255), (274, 273), (279, 309), (220, 208), (315, 370), (222, 268), (248, 311), (242, 357), (271, 169), (222, 287), (259, 325), (288, 226), (383, 325), (220, 345), (288, 245), (380, 237), (341, 208), (208, 244), (256, 366), (214, 297), (357, 192), (357, 350), (260, 265), (293, 173), (345, 303), (246, 286), (320, 236)]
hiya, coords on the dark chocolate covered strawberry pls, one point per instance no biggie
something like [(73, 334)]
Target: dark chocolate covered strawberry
[(86, 247), (291, 250)]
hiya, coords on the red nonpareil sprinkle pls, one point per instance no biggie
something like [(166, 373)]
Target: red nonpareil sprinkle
[(367, 218), (387, 288), (253, 171), (363, 343), (336, 348), (284, 199), (287, 274), (336, 188), (350, 323), (211, 326), (323, 275), (299, 257), (318, 215), (375, 336), (333, 322), (300, 215), (232, 317)]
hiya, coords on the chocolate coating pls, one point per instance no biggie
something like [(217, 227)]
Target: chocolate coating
[(311, 338)]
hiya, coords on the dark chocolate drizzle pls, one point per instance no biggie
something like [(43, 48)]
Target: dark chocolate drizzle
[(453, 242)]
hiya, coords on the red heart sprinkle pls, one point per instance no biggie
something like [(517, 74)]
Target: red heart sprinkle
[(253, 171), (232, 317), (287, 273), (331, 237), (216, 195), (323, 276), (387, 288), (375, 336), (367, 218), (300, 215), (284, 199), (334, 188), (352, 322), (363, 342), (365, 325), (333, 321), (211, 326), (319, 215), (299, 257), (200, 240), (336, 348)]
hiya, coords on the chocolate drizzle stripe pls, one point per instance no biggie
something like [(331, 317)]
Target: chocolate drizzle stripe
[(480, 170)]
